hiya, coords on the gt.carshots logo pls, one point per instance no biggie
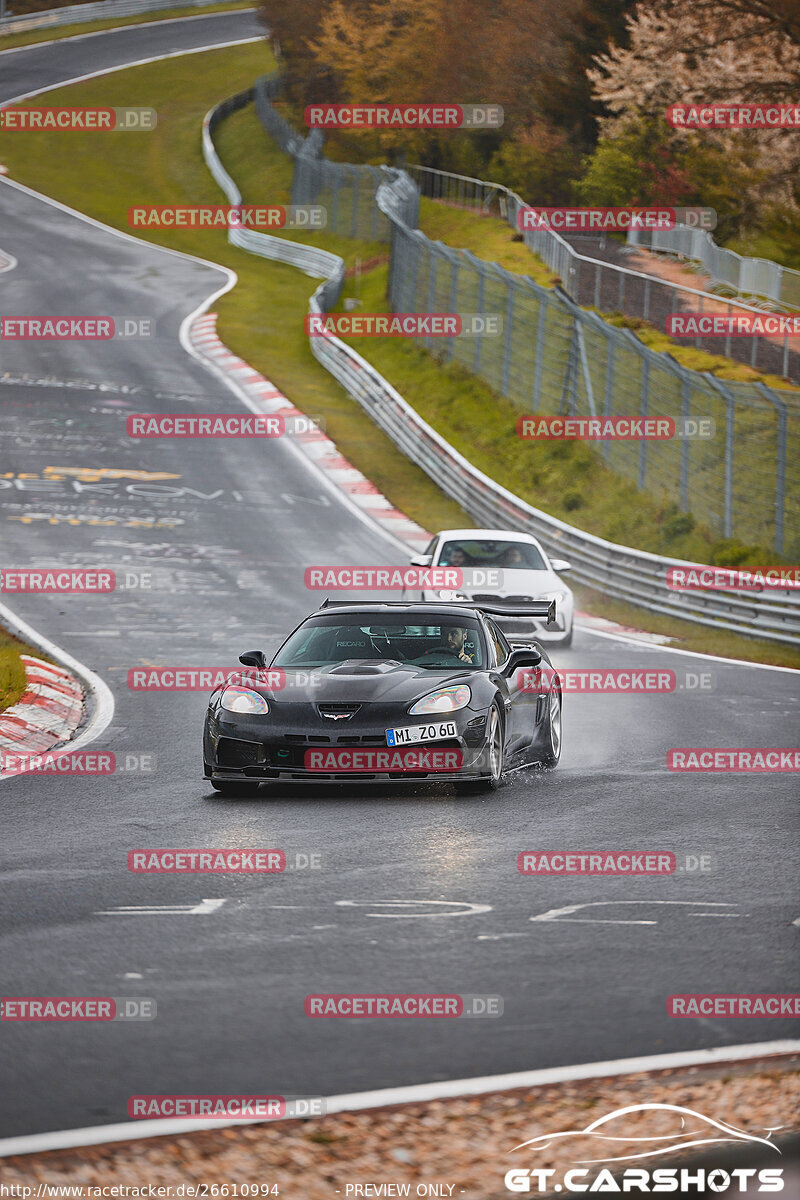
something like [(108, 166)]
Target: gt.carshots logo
[(644, 1131)]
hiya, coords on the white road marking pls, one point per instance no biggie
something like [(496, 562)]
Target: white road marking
[(421, 1093), (465, 909), (563, 915), (170, 910)]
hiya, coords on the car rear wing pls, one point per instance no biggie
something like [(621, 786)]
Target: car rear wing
[(496, 608), (533, 608)]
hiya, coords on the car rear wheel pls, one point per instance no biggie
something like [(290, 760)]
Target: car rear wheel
[(552, 750), (233, 787)]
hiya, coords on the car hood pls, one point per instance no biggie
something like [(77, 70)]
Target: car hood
[(363, 681)]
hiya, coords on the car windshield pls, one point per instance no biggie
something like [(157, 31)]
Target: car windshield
[(467, 552), (328, 641)]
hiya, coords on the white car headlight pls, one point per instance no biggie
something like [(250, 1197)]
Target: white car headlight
[(446, 699), (559, 597), (243, 700)]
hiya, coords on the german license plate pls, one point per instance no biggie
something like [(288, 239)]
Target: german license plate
[(436, 732)]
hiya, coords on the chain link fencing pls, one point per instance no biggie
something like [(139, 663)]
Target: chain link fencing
[(756, 277), (555, 357)]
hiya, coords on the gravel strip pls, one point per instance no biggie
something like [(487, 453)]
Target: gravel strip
[(463, 1143)]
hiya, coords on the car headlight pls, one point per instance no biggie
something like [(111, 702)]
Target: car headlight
[(451, 596), (559, 597), (445, 700), (243, 700)]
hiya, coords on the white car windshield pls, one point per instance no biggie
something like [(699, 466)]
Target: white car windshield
[(513, 556), (328, 641)]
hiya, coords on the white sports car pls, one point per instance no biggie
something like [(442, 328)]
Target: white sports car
[(498, 564)]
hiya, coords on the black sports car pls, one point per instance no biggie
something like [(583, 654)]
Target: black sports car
[(388, 692)]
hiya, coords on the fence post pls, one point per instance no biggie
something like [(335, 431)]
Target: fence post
[(453, 299), (608, 394), (537, 371), (780, 463), (508, 332), (479, 339), (686, 412), (643, 409)]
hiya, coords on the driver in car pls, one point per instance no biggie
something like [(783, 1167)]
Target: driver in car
[(455, 637)]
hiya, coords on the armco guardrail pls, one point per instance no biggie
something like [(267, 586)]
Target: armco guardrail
[(756, 277), (619, 571), (73, 14)]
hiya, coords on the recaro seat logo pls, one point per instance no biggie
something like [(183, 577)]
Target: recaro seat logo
[(626, 1127)]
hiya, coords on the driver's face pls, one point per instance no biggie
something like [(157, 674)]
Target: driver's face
[(455, 638)]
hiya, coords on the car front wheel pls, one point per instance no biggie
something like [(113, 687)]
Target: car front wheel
[(552, 746)]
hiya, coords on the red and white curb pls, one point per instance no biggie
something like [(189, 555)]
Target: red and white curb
[(48, 713), (264, 397)]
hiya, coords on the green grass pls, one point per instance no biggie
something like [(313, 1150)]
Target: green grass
[(12, 669), (52, 33), (262, 318)]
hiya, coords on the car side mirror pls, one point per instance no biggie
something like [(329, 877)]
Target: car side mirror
[(523, 656), (254, 658), (559, 565), (421, 560)]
